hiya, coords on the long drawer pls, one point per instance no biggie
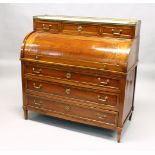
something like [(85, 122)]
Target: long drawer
[(106, 117), (102, 81), (69, 91)]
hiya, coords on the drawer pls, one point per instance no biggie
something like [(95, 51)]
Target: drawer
[(53, 27), (102, 81), (71, 28), (117, 31), (103, 98), (108, 117)]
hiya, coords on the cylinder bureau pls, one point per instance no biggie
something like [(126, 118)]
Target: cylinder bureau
[(81, 69)]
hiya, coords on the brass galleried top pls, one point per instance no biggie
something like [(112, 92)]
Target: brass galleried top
[(86, 19)]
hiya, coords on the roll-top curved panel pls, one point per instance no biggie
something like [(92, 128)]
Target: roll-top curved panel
[(104, 53)]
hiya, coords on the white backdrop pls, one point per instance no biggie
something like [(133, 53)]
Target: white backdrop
[(16, 22), (41, 132)]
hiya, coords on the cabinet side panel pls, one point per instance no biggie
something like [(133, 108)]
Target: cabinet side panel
[(121, 101), (23, 83), (129, 93), (134, 53)]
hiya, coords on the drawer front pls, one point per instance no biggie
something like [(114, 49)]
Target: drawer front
[(70, 28), (107, 117), (53, 27), (74, 93), (114, 31), (90, 65), (102, 81), (117, 32)]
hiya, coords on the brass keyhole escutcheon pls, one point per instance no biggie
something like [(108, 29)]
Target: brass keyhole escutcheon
[(36, 57), (68, 75), (79, 28), (50, 27), (68, 91), (67, 108)]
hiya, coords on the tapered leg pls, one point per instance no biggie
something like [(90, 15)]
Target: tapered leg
[(119, 131), (25, 114), (130, 117)]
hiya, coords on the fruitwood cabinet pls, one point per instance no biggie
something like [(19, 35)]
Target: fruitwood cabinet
[(81, 69)]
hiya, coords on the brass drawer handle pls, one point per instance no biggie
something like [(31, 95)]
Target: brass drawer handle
[(104, 83), (47, 28), (68, 91), (37, 71), (117, 33), (101, 116), (103, 100), (79, 28), (37, 87), (68, 75), (37, 103), (67, 108)]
